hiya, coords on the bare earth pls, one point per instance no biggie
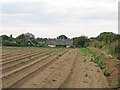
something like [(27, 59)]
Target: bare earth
[(60, 69)]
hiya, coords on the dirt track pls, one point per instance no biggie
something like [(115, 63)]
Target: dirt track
[(62, 69)]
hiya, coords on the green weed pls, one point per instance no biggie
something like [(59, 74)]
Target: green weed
[(15, 75), (98, 70), (52, 67), (84, 60), (46, 80), (33, 83), (23, 62), (86, 75), (106, 73), (74, 63)]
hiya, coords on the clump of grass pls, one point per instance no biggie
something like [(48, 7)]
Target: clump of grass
[(15, 75), (114, 85), (91, 59), (86, 68), (40, 53), (86, 75), (84, 60), (33, 83), (98, 70), (46, 80), (57, 57), (91, 69), (29, 57), (52, 67), (106, 73), (47, 53), (23, 62)]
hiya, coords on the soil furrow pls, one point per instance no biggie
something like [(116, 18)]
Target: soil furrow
[(31, 70)]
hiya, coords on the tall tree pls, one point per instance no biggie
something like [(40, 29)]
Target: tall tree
[(62, 37)]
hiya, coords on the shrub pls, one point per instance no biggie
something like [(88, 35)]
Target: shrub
[(106, 73), (60, 45)]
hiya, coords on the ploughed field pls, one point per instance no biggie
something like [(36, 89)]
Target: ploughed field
[(50, 68)]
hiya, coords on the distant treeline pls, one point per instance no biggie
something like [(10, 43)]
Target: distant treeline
[(106, 40)]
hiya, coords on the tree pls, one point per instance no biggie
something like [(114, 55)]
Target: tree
[(80, 41), (5, 37), (62, 37)]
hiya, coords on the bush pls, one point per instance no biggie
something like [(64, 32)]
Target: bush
[(60, 45)]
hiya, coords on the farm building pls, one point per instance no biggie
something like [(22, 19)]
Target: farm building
[(54, 42), (30, 43)]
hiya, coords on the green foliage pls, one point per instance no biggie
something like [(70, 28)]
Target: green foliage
[(106, 73), (62, 37), (98, 70), (23, 62), (33, 83), (60, 45), (84, 60), (86, 75), (114, 85), (80, 41), (46, 80), (52, 67), (15, 75), (97, 59)]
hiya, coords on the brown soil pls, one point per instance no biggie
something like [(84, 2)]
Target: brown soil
[(61, 69), (51, 77), (28, 69), (85, 75)]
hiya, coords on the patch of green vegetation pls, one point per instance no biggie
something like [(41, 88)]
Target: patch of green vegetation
[(52, 67), (91, 59), (19, 57), (114, 85), (15, 75), (46, 80), (106, 73), (97, 59), (98, 70), (57, 58), (23, 62), (86, 68), (33, 83), (55, 73), (86, 75), (3, 86), (84, 52), (84, 60), (40, 52), (47, 53), (29, 57), (74, 63)]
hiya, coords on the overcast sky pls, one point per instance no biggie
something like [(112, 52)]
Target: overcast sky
[(50, 18)]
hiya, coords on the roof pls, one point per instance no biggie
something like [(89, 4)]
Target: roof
[(68, 42), (31, 42)]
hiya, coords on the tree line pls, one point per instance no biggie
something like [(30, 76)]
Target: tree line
[(105, 38)]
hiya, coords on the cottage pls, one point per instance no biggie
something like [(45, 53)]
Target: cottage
[(54, 42)]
